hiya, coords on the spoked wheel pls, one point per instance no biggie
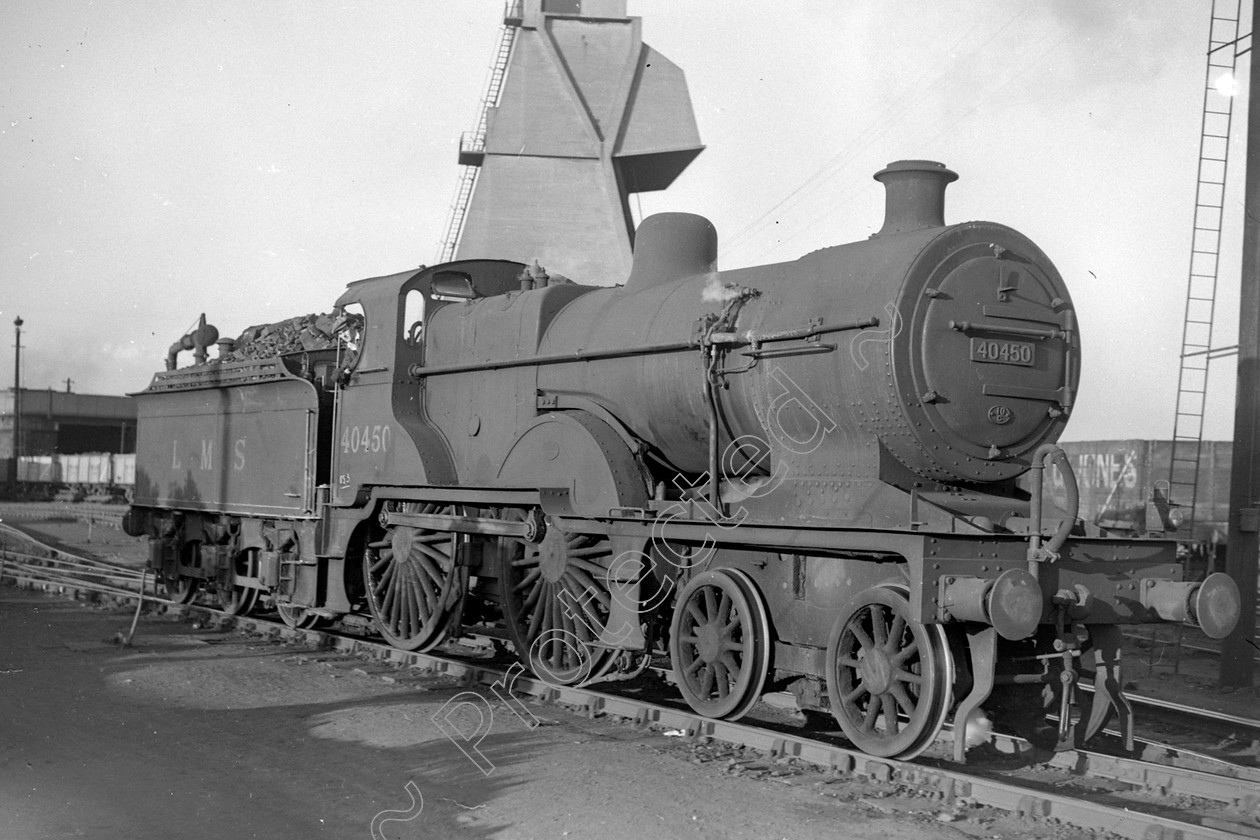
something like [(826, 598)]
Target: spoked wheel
[(180, 588), (234, 598), (297, 617), (889, 677), (556, 601), (409, 574), (719, 642)]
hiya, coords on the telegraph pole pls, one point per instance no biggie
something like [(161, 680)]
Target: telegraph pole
[(17, 398), (1238, 650)]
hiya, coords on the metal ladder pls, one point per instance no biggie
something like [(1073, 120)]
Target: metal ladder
[(1205, 250), (475, 140), (455, 221)]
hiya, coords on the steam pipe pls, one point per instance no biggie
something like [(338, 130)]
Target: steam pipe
[(715, 492), (1038, 554)]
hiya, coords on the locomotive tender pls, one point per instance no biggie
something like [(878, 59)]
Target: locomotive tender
[(796, 476)]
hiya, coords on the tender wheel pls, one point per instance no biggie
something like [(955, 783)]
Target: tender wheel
[(297, 617), (719, 642), (888, 677), (234, 599), (180, 588), (408, 575), (556, 601)]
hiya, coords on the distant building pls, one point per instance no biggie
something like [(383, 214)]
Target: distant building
[(62, 423)]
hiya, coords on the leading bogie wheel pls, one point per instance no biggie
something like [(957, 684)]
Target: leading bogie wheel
[(889, 677), (719, 643)]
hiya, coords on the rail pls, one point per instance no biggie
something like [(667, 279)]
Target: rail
[(111, 515)]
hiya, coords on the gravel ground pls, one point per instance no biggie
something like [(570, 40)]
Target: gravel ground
[(210, 735)]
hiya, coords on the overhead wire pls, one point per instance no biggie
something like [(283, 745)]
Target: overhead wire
[(988, 92), (915, 91), (874, 129)]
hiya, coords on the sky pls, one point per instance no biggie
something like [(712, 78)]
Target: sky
[(247, 160)]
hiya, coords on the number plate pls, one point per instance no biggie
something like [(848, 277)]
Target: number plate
[(1003, 352)]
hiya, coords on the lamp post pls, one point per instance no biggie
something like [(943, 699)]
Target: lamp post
[(17, 398)]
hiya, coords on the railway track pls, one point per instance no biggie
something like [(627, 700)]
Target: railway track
[(1181, 643), (102, 514), (1167, 792)]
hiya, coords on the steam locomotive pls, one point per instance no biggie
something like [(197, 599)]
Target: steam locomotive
[(799, 476)]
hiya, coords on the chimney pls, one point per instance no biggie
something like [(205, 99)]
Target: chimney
[(914, 195)]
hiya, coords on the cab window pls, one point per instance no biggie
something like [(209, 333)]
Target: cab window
[(350, 336), (413, 318)]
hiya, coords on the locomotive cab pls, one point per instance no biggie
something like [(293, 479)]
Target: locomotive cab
[(382, 437)]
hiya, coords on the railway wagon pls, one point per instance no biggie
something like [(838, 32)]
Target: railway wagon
[(1115, 479), (86, 472), (39, 469), (800, 476), (123, 469), (90, 469)]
